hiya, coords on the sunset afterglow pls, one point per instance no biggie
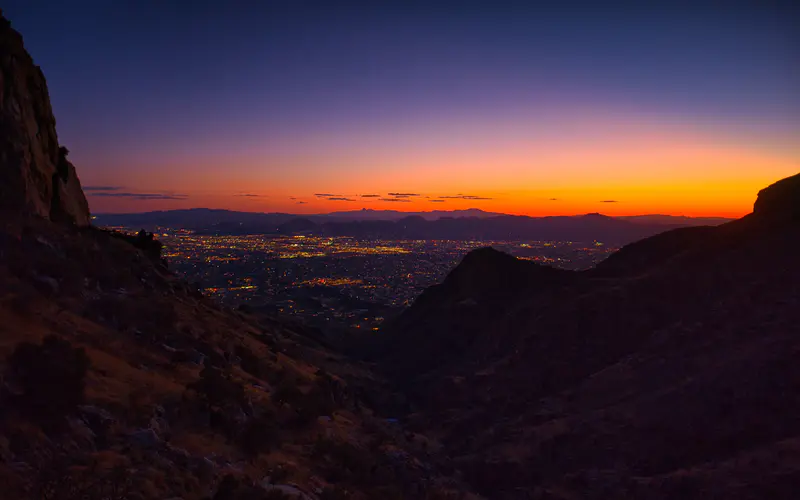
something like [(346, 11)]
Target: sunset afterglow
[(614, 111)]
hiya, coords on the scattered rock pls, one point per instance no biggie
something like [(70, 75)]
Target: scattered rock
[(145, 438), (287, 489), (188, 356), (47, 283), (92, 414), (81, 433), (160, 426)]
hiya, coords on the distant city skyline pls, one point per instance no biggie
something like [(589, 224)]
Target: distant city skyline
[(309, 107)]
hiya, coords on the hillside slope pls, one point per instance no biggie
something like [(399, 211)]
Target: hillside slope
[(120, 381), (669, 370), (179, 392)]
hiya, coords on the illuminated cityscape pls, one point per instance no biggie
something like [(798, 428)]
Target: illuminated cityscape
[(337, 281)]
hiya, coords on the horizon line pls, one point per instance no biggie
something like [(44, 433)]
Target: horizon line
[(300, 215)]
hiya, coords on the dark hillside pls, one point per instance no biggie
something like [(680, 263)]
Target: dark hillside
[(668, 370)]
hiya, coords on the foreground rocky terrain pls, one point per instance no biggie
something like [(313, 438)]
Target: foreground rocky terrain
[(178, 393)]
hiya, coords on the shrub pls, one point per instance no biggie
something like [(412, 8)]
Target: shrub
[(64, 476), (252, 363), (345, 462), (334, 493), (51, 378), (315, 403), (144, 241), (231, 488), (218, 389), (308, 405), (259, 435)]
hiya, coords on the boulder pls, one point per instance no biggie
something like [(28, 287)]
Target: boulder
[(145, 438), (288, 490)]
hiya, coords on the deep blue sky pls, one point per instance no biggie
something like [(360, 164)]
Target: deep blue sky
[(160, 85)]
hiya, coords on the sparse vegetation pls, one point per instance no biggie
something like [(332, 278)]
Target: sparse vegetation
[(50, 379), (260, 434), (345, 462), (252, 363), (59, 475), (307, 405), (233, 488), (144, 241), (218, 389)]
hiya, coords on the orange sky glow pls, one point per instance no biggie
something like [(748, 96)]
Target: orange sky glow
[(615, 170), (523, 109)]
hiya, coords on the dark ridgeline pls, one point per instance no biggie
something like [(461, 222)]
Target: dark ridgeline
[(456, 225), (502, 227), (669, 371)]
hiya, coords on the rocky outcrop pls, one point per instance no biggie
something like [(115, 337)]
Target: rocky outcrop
[(780, 200), (35, 175)]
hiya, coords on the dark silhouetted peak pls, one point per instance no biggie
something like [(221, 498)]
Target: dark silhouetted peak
[(488, 258), (412, 219), (780, 200), (296, 226), (447, 319), (490, 272), (35, 175)]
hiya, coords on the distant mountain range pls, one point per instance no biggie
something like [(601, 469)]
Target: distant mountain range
[(369, 214), (472, 224)]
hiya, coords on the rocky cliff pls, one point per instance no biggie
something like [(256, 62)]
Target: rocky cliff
[(35, 175)]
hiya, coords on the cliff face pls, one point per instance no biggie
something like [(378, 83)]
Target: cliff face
[(35, 176)]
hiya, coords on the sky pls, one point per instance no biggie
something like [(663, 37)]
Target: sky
[(531, 108)]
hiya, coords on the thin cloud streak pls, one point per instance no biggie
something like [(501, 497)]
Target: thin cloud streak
[(141, 196), (465, 197)]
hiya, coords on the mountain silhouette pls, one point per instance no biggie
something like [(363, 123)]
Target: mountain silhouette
[(667, 371), (389, 224)]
